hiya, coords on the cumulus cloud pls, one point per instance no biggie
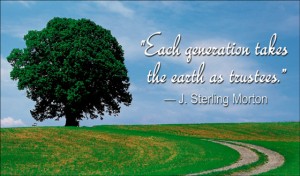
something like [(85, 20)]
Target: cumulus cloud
[(11, 122)]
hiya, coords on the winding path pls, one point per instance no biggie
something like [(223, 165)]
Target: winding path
[(274, 160), (248, 156)]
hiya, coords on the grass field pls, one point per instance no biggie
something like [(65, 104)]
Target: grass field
[(141, 149)]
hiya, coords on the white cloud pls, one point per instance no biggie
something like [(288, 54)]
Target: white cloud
[(116, 7), (20, 28), (23, 3), (11, 122), (14, 30), (5, 70), (26, 3)]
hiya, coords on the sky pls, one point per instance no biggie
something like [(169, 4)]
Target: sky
[(200, 24)]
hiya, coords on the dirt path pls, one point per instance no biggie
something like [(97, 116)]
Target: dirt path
[(274, 160), (247, 156)]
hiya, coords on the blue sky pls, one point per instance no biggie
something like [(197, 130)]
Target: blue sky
[(201, 24)]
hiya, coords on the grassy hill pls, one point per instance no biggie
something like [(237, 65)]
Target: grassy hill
[(140, 149)]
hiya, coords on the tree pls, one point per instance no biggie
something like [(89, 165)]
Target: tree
[(72, 68)]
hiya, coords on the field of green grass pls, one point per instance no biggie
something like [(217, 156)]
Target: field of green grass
[(141, 149)]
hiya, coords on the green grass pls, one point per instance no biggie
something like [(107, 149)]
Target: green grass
[(30, 151), (141, 149), (281, 137), (282, 131), (290, 151), (262, 159)]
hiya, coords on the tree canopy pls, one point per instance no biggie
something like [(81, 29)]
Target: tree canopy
[(73, 69)]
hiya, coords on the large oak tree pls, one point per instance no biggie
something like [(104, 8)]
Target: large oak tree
[(73, 69)]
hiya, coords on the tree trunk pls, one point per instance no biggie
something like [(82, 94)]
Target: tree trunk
[(71, 119)]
